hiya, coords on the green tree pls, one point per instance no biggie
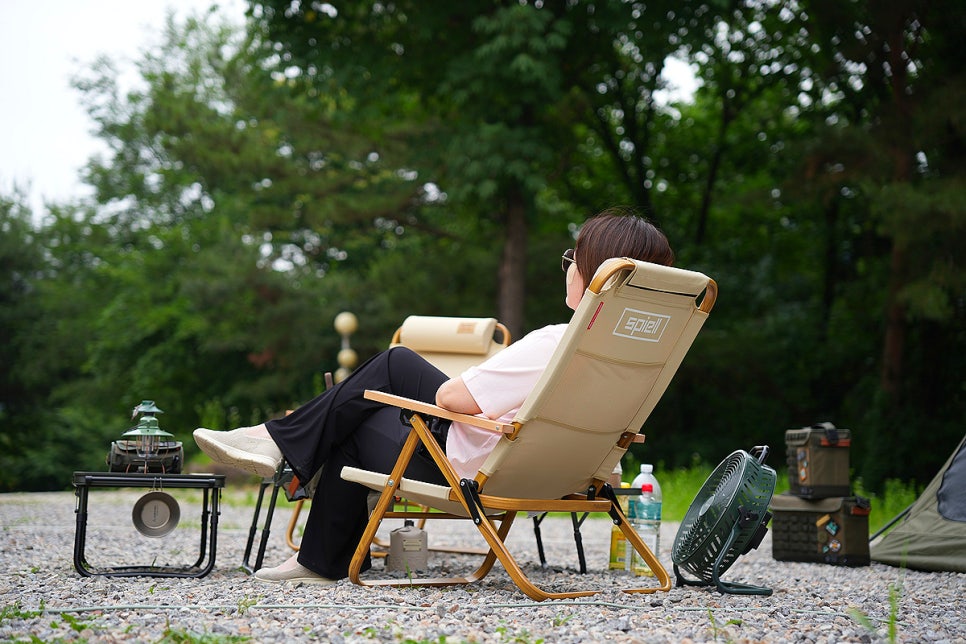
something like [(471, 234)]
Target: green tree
[(887, 73), (510, 90), (195, 298), (44, 430), (393, 159), (246, 211), (21, 260)]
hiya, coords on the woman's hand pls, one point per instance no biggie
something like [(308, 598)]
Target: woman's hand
[(454, 396)]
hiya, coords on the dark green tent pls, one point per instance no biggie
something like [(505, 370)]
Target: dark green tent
[(932, 535)]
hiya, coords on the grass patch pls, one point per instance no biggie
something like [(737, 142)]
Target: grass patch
[(680, 486), (896, 496)]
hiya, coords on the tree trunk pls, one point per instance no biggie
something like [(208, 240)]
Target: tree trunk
[(513, 267), (727, 116), (830, 277), (902, 149), (894, 344)]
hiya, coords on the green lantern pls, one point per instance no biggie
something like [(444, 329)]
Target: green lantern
[(147, 407), (147, 437), (146, 448)]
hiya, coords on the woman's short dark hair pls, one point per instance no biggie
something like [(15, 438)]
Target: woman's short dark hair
[(619, 233)]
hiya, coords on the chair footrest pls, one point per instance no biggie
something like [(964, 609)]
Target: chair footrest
[(421, 492)]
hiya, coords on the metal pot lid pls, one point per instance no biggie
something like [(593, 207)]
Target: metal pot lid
[(156, 514)]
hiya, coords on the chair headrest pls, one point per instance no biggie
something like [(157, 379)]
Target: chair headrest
[(669, 279), (650, 276), (447, 334)]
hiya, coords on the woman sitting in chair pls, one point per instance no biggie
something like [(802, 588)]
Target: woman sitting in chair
[(341, 428)]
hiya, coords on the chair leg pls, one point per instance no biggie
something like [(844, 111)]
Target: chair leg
[(495, 536), (292, 522), (663, 578), (537, 520), (253, 529), (579, 540), (384, 504), (382, 547), (490, 558), (266, 527)]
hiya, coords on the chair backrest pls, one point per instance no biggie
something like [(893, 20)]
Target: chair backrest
[(452, 344), (623, 345)]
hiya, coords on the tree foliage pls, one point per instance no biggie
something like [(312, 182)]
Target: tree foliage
[(435, 158), (510, 90)]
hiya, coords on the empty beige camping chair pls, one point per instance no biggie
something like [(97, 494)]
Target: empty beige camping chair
[(452, 345), (619, 352)]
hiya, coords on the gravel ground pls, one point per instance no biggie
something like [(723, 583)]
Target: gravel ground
[(45, 599)]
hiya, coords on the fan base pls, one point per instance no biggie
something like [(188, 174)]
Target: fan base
[(728, 587)]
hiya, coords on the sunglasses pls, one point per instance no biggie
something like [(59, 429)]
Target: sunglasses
[(567, 259)]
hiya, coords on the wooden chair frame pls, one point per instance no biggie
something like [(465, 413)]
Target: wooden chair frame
[(493, 515)]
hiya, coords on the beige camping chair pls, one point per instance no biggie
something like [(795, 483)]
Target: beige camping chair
[(452, 345), (620, 350)]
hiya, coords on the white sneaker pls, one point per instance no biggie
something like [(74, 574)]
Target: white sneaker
[(293, 573), (260, 456)]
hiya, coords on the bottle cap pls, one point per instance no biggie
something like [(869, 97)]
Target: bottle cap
[(647, 487), (647, 467)]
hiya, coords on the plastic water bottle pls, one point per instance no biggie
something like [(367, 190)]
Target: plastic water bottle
[(652, 512), (647, 476), (635, 514), (647, 518), (648, 526)]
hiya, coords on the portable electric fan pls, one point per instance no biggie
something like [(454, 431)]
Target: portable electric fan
[(728, 518)]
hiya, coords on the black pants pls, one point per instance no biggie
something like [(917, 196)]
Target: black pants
[(339, 428)]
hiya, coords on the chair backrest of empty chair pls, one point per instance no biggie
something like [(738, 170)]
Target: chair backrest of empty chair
[(452, 344)]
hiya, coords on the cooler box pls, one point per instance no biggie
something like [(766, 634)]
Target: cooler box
[(833, 531), (818, 461)]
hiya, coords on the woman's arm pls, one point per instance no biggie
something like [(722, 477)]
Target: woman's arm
[(454, 395), (502, 381)]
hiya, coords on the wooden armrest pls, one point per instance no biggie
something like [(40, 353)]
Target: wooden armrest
[(439, 412)]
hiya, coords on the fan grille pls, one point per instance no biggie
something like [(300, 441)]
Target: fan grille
[(738, 482)]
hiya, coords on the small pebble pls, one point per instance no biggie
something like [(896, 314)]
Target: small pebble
[(43, 597)]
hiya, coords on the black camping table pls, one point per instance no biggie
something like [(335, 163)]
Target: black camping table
[(211, 484)]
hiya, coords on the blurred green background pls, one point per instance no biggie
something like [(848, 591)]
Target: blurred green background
[(436, 158)]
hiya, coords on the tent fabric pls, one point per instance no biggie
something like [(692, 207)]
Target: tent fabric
[(951, 496), (933, 534)]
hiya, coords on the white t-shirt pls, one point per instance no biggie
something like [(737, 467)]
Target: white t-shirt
[(500, 385)]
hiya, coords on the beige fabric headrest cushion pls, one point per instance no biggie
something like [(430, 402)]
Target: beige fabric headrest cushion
[(447, 335), (670, 279)]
